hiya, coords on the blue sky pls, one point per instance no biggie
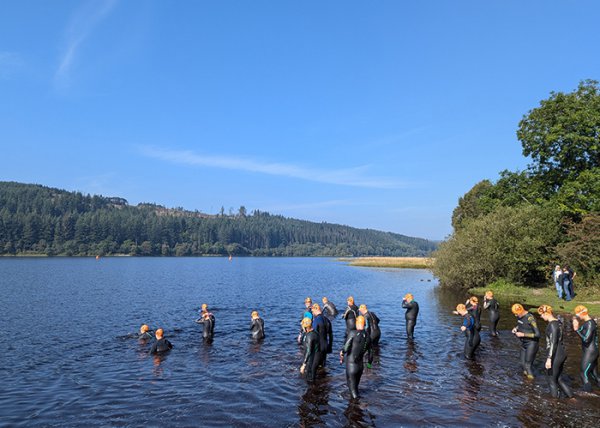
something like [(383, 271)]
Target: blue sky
[(372, 114)]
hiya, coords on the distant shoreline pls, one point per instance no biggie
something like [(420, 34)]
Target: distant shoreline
[(390, 262)]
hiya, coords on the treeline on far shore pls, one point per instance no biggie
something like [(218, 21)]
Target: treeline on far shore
[(38, 220), (519, 227)]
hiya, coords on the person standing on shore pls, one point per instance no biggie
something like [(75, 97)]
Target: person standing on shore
[(557, 355), (493, 308), (528, 332), (412, 311), (556, 275), (587, 330)]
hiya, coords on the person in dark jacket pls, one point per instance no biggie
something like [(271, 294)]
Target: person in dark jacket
[(208, 326), (474, 309), (350, 315), (322, 326), (468, 327)]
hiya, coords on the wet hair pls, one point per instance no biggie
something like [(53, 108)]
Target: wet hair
[(545, 309)]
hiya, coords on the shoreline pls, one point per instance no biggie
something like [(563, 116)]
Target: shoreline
[(390, 262)]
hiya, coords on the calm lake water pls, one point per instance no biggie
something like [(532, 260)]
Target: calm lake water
[(67, 360)]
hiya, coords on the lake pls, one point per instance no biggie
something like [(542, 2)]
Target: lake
[(68, 360)]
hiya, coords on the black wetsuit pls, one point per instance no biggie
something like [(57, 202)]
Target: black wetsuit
[(350, 317), (372, 327), (160, 346), (208, 327), (472, 338), (357, 344), (588, 331), (257, 327), (412, 311), (475, 311), (320, 327), (558, 356), (307, 314), (311, 354), (146, 336), (529, 343), (330, 308), (493, 309)]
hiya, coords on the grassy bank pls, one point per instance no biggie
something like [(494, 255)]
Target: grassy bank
[(391, 262), (534, 297)]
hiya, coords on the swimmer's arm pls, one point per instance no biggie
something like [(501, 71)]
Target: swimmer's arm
[(552, 343)]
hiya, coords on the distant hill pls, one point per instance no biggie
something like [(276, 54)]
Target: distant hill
[(40, 220)]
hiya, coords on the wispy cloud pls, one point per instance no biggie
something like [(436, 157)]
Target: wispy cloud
[(10, 62), (356, 177), (81, 25)]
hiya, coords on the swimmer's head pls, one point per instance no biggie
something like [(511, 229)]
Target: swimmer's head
[(363, 309), (254, 314), (581, 311), (316, 308), (325, 300), (308, 302), (545, 310), (517, 309), (474, 300), (159, 333), (204, 307), (461, 309), (408, 297), (489, 294), (306, 323), (144, 328), (360, 322), (350, 300)]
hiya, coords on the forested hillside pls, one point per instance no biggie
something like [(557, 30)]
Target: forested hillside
[(39, 220)]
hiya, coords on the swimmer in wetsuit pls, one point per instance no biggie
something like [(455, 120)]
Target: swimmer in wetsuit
[(529, 334), (145, 333), (208, 326), (350, 315), (161, 345), (322, 326), (587, 330), (306, 314), (472, 338), (372, 324), (474, 309), (357, 344), (329, 307), (257, 326), (311, 351), (412, 311), (557, 355), (493, 309)]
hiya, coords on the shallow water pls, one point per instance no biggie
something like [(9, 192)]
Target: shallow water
[(68, 362)]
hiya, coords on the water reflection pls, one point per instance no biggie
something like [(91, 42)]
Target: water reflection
[(314, 404), (358, 415), (411, 357)]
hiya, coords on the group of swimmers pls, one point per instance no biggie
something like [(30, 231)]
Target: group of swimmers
[(362, 335), (529, 334)]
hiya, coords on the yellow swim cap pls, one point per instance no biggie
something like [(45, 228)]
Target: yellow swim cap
[(204, 306), (461, 307), (254, 314), (489, 294), (517, 308), (360, 321), (581, 310), (362, 307), (474, 300), (350, 299), (545, 309), (408, 296), (159, 333), (316, 307), (306, 322)]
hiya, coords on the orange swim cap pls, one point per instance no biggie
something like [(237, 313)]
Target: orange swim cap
[(474, 300), (350, 299), (144, 328), (159, 333), (325, 300), (360, 321), (254, 314), (545, 309), (581, 310), (204, 306), (489, 294), (362, 308), (306, 322), (408, 296), (316, 307), (517, 308), (461, 308)]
